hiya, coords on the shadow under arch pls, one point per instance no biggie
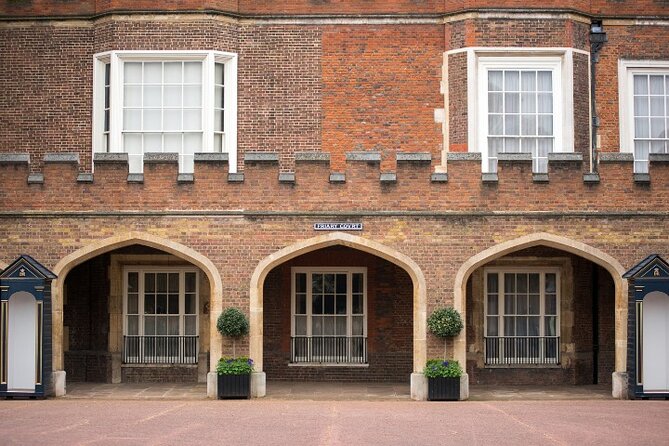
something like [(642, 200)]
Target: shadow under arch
[(67, 263), (351, 241), (613, 266)]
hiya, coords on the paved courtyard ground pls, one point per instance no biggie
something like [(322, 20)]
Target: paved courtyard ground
[(342, 422)]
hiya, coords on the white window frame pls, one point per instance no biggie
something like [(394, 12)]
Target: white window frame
[(626, 71), (482, 59), (500, 271), (209, 58), (142, 271), (349, 298)]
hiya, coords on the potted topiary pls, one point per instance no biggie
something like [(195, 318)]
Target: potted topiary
[(444, 375), (234, 374)]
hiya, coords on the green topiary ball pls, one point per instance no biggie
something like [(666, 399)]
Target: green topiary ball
[(445, 322), (232, 323)]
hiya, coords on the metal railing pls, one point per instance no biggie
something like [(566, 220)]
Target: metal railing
[(329, 349), (511, 350), (160, 349)]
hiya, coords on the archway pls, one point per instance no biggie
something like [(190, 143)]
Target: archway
[(594, 255), (324, 241), (86, 253)]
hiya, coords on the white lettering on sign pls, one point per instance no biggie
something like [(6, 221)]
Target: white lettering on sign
[(337, 226)]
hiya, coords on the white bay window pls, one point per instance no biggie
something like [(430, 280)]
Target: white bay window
[(147, 102)]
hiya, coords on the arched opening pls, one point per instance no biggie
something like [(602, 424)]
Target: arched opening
[(287, 320), (134, 308), (542, 310)]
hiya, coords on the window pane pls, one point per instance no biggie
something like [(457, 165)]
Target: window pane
[(545, 81), (521, 307), (329, 304), (193, 72), (528, 125), (132, 96), (509, 283), (528, 81), (328, 283), (172, 142), (534, 307), (149, 305), (192, 96), (657, 128), (173, 121), (509, 326), (528, 103), (512, 102), (545, 103), (340, 328), (133, 307), (529, 145), (161, 279), (534, 283), (641, 128), (657, 106), (358, 304), (190, 325), (549, 326), (512, 145), (173, 325), (301, 282), (149, 282), (492, 283), (300, 303), (521, 283), (493, 303), (328, 326), (511, 81), (358, 283), (641, 106), (551, 304), (218, 120), (657, 84), (172, 96), (152, 72), (191, 282), (173, 304), (521, 326), (149, 325), (161, 325), (219, 73), (132, 72), (545, 125), (495, 125), (316, 326), (317, 283), (152, 96), (495, 103), (492, 326), (218, 97), (161, 304), (190, 304), (133, 325), (509, 305), (132, 119), (300, 326), (640, 84), (192, 142), (133, 285), (172, 72), (341, 304), (533, 326), (657, 147), (151, 119), (512, 125), (340, 286), (357, 326), (550, 283), (494, 81), (317, 304)]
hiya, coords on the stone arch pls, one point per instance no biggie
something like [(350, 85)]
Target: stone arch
[(351, 241), (67, 263), (588, 252)]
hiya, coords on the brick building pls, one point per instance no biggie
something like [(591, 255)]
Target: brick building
[(507, 158)]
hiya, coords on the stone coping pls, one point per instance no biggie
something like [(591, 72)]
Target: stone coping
[(211, 157), (367, 156), (160, 158), (514, 157), (66, 157), (14, 158), (110, 158), (312, 157), (388, 177), (615, 157), (413, 157), (463, 156), (261, 157)]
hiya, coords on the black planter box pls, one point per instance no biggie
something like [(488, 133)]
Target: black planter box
[(443, 389), (234, 386)]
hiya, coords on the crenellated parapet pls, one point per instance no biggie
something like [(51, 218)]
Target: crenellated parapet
[(313, 186)]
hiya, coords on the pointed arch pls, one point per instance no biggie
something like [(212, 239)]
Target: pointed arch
[(351, 241), (580, 249), (70, 261)]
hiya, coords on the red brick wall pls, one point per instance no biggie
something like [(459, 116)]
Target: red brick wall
[(389, 319), (268, 7), (380, 89)]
